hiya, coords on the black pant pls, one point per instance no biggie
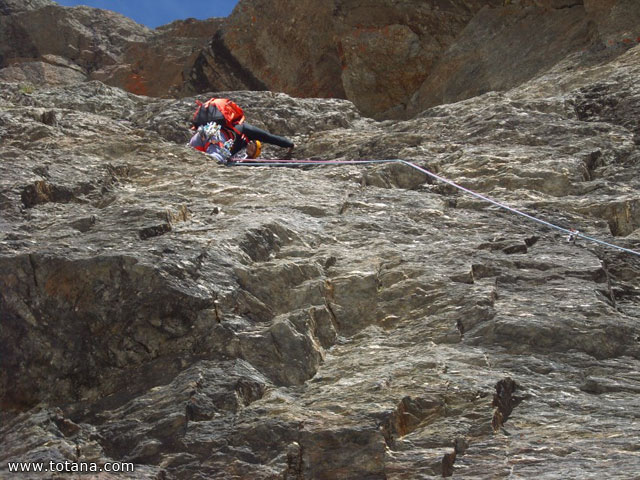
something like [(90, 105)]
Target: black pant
[(255, 133)]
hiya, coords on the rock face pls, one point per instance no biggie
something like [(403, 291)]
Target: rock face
[(344, 322), (395, 59), (375, 53), (63, 45), (10, 7), (43, 43), (391, 59), (502, 48)]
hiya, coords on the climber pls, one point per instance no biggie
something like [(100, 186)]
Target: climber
[(233, 132), (219, 143)]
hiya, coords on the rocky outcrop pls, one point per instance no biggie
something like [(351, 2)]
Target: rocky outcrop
[(502, 48), (376, 54), (63, 45), (360, 321), (391, 59), (43, 43), (11, 7)]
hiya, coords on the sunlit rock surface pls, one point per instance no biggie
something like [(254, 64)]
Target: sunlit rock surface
[(344, 322)]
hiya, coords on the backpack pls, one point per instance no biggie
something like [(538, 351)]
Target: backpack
[(205, 113), (211, 110)]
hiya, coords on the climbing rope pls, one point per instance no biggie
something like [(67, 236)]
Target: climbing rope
[(572, 234)]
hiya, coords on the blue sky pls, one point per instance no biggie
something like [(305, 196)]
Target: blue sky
[(154, 13)]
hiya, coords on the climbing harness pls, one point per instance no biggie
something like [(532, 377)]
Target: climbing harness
[(572, 234), (212, 134)]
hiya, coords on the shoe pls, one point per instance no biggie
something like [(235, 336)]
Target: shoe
[(289, 154)]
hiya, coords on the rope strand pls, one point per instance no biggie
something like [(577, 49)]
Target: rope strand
[(573, 233)]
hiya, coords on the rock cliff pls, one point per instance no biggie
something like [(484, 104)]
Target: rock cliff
[(392, 59), (375, 53), (344, 322), (43, 43)]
